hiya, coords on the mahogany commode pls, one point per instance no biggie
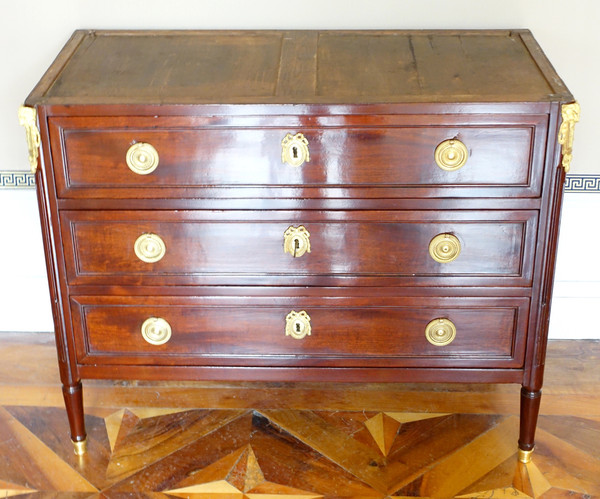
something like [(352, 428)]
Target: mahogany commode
[(301, 206)]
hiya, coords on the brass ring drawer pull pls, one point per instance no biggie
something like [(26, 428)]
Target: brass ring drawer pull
[(297, 325), (156, 331), (440, 332), (296, 241), (149, 248), (142, 158), (451, 155), (294, 149), (444, 248)]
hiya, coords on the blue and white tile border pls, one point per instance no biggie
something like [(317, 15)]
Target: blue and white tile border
[(574, 183)]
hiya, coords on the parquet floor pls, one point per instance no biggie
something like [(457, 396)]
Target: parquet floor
[(300, 441)]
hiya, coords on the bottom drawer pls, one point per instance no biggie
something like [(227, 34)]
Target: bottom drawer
[(286, 331)]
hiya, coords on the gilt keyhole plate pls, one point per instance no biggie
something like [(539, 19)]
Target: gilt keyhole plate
[(297, 325), (296, 241), (294, 149)]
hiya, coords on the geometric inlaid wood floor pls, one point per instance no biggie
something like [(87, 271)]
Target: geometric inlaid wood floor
[(258, 440)]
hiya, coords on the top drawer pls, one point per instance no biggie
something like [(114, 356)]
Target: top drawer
[(346, 156)]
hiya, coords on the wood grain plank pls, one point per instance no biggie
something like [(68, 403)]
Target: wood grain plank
[(158, 66), (410, 417), (507, 476), (298, 65), (246, 473), (217, 471), (308, 427), (502, 493), (245, 66), (539, 483), (153, 439), (185, 460), (556, 455), (34, 463), (8, 489), (220, 488), (415, 445), (285, 460), (366, 65), (458, 472), (503, 400), (582, 433), (556, 493), (269, 490), (113, 424), (50, 426), (545, 66)]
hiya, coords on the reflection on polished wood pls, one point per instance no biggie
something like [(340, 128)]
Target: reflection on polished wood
[(300, 440)]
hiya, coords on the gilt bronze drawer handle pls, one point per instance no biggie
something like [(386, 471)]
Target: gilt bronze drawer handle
[(296, 241), (294, 149), (149, 248), (297, 325), (451, 155), (142, 158), (444, 248), (440, 332), (156, 331)]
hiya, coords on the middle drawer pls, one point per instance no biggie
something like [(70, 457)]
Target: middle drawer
[(300, 248)]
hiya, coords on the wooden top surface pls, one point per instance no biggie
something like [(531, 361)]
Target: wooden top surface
[(304, 67)]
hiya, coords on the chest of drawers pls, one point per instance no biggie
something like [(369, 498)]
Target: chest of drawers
[(301, 206)]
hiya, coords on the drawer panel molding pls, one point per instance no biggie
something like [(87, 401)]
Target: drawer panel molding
[(223, 157), (210, 331), (483, 247)]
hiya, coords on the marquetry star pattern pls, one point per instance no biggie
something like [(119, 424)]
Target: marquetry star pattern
[(277, 453)]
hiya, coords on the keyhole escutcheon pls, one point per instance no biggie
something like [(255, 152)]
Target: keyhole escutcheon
[(296, 241), (297, 325), (294, 149)]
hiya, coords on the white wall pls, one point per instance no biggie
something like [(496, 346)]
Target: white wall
[(24, 296), (32, 32), (576, 296)]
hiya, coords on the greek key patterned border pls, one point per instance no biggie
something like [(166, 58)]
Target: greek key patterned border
[(20, 179), (582, 183), (23, 179)]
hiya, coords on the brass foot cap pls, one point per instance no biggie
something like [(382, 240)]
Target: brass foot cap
[(525, 455), (80, 448)]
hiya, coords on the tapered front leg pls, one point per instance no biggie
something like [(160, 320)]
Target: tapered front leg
[(73, 395), (530, 408)]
